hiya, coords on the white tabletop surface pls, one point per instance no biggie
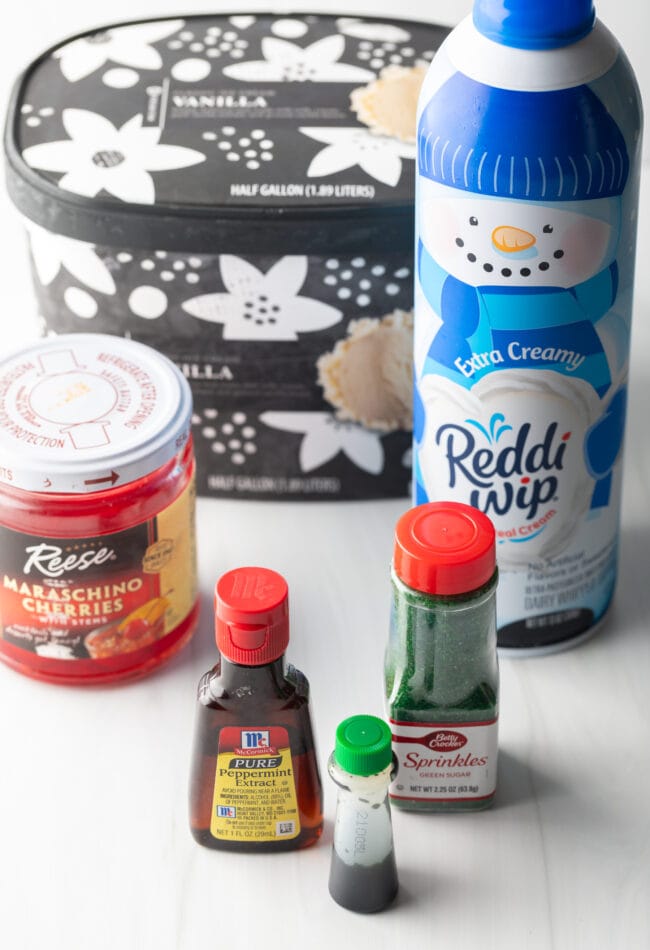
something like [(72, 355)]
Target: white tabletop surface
[(95, 852)]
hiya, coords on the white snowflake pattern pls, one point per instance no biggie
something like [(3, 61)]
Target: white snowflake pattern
[(126, 45), (380, 156), (286, 62), (98, 156), (260, 306), (242, 21), (325, 436), (51, 252), (377, 32)]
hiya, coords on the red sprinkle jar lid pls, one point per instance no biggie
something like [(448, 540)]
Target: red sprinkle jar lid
[(81, 413), (444, 548), (252, 615)]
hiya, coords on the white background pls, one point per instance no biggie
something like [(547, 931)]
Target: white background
[(94, 848)]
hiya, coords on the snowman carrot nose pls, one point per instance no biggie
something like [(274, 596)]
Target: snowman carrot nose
[(509, 239)]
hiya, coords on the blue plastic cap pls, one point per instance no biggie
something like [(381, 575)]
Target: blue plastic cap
[(534, 24)]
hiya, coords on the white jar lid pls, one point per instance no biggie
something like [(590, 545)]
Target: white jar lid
[(86, 412)]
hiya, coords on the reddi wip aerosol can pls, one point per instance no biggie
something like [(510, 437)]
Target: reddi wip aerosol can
[(529, 128)]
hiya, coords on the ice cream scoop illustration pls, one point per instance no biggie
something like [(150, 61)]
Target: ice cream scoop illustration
[(367, 376)]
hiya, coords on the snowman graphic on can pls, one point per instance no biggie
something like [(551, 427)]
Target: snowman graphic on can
[(521, 330)]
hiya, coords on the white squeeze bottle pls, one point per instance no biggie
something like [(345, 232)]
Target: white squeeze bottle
[(529, 131)]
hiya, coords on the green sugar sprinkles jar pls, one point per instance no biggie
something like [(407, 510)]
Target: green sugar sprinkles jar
[(441, 670)]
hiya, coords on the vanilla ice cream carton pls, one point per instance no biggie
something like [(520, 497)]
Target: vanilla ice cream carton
[(237, 192), (528, 143)]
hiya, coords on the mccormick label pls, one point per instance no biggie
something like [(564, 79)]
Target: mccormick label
[(444, 761), (525, 238), (95, 598), (254, 787)]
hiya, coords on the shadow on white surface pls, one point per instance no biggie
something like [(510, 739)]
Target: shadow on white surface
[(520, 782), (628, 615)]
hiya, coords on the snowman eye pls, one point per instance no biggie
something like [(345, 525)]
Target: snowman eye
[(547, 229), (473, 221)]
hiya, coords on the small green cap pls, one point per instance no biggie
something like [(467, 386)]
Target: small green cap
[(363, 745)]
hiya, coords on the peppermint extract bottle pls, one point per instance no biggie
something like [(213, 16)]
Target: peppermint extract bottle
[(255, 784), (529, 131)]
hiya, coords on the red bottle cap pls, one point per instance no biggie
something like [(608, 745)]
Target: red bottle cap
[(251, 615), (444, 548)]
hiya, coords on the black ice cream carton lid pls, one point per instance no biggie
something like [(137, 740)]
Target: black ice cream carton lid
[(204, 132)]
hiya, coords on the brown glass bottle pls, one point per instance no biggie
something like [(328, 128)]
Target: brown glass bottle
[(255, 784)]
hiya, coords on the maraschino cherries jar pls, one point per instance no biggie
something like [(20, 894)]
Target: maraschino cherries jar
[(97, 536)]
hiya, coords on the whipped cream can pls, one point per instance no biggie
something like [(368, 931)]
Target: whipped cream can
[(529, 130)]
